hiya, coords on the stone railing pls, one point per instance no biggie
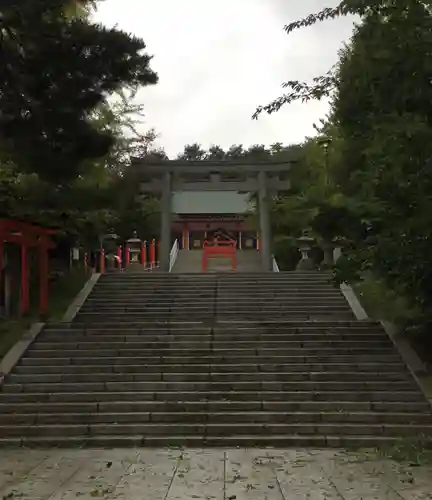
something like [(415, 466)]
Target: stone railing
[(173, 255), (275, 266)]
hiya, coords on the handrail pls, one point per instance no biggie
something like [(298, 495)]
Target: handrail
[(173, 255), (275, 266)]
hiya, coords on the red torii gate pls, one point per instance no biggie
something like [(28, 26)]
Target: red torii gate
[(29, 235)]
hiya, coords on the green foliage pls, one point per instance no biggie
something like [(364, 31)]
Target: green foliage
[(192, 152), (321, 87), (386, 129), (86, 206), (286, 252), (383, 304), (61, 294), (375, 187), (56, 69)]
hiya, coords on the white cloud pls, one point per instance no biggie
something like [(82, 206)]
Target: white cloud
[(218, 60)]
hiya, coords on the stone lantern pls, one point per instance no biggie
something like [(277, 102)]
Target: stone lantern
[(338, 245), (134, 246), (327, 247), (306, 263)]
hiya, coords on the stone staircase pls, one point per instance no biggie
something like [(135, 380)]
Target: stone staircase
[(214, 298), (217, 360)]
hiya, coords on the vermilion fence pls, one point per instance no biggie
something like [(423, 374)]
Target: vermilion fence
[(147, 257), (219, 250)]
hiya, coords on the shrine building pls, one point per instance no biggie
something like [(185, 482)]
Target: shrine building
[(201, 215)]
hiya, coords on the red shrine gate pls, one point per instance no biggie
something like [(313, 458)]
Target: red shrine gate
[(218, 249), (29, 236)]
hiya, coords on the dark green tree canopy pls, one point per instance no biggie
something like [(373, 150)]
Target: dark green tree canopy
[(55, 71)]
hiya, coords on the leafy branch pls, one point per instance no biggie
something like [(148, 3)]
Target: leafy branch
[(321, 87)]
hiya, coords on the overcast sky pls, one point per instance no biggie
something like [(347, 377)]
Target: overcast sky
[(218, 60)]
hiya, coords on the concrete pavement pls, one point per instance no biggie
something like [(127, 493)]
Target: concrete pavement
[(236, 474)]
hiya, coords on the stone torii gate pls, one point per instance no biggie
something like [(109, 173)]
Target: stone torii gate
[(162, 177)]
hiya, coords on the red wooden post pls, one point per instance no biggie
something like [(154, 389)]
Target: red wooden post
[(152, 253), (25, 278), (43, 277), (102, 261), (120, 257)]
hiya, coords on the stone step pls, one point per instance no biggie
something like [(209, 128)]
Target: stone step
[(221, 353), (181, 315), (228, 279), (257, 273), (209, 318), (212, 386), (245, 290), (207, 314), (38, 378), (217, 429), (220, 279), (125, 368), (229, 308), (341, 408), (241, 337), (219, 327), (329, 324), (67, 341), (194, 276), (232, 310), (218, 339), (265, 293), (265, 324), (260, 441), (196, 289), (191, 299), (203, 312), (136, 302), (205, 345), (221, 331), (213, 360), (362, 418), (278, 395)]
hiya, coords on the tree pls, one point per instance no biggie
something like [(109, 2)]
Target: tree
[(56, 69), (216, 153), (235, 152), (192, 152), (124, 119), (386, 129), (381, 110), (325, 85)]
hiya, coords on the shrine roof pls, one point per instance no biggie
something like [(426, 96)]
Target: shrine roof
[(210, 202)]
